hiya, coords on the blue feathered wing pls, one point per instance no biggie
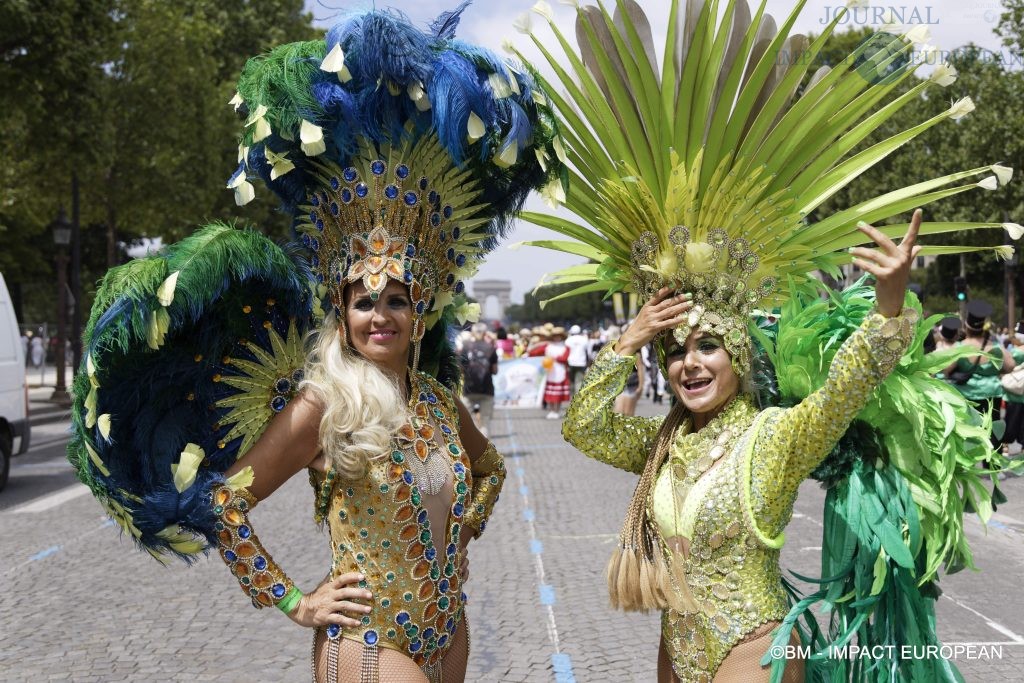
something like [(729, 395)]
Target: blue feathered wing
[(189, 353)]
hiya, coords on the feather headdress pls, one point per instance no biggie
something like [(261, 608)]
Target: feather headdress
[(704, 176)]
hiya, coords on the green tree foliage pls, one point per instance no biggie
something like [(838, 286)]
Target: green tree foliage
[(132, 96), (1011, 25), (584, 309)]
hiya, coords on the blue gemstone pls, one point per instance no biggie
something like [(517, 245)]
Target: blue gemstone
[(483, 522), (450, 550), (407, 477), (346, 195), (449, 625), (278, 590), (434, 197), (448, 211), (410, 250), (283, 385), (335, 209), (432, 398), (407, 276), (315, 261), (430, 553), (333, 631), (411, 198), (450, 254), (378, 167), (450, 279), (457, 509), (435, 219), (312, 215), (420, 307), (402, 171), (278, 403), (320, 225), (422, 517), (260, 563), (460, 260), (442, 585), (362, 190), (424, 182), (391, 191), (244, 531), (370, 637), (314, 243), (230, 556), (428, 633), (320, 278), (297, 376), (459, 467), (349, 174), (402, 618), (315, 200), (423, 396), (415, 646), (448, 430), (441, 641), (335, 184), (459, 287), (306, 240), (443, 236)]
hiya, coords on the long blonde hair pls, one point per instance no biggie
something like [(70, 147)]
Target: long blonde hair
[(363, 405)]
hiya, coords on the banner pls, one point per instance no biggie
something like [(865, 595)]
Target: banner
[(519, 383)]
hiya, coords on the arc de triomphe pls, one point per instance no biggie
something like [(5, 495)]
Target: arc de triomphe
[(499, 289)]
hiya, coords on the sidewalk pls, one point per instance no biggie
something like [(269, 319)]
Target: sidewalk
[(41, 407)]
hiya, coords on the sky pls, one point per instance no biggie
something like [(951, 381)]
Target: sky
[(952, 23)]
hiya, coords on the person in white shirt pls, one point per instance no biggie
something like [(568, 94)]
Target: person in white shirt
[(578, 345)]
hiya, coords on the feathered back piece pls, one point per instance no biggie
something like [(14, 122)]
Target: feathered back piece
[(401, 154), (703, 173)]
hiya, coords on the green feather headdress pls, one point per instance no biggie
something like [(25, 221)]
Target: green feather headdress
[(704, 174)]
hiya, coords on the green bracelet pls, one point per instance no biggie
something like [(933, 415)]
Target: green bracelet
[(290, 600)]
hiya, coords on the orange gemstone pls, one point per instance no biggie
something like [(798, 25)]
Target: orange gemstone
[(359, 246), (431, 611), (408, 533), (406, 432), (222, 496), (241, 569), (395, 472), (262, 580), (416, 291), (421, 449), (233, 517), (421, 410), (375, 282), (245, 549), (421, 328), (415, 550), (402, 492), (404, 514), (426, 589), (421, 570), (379, 240), (394, 269), (225, 538), (427, 432), (264, 600), (375, 263)]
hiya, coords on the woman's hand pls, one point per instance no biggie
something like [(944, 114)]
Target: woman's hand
[(330, 603), (890, 264), (664, 311)]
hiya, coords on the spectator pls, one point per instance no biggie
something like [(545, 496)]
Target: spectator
[(578, 345), (506, 347), (38, 351), (479, 365)]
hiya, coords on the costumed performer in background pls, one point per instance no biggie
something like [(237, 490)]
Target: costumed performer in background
[(696, 187), (401, 156)]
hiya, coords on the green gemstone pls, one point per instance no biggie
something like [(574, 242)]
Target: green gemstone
[(365, 621), (385, 544), (460, 488), (219, 510), (246, 580), (341, 547), (398, 456), (219, 526), (350, 491), (360, 557), (392, 633), (449, 570), (480, 509), (363, 584), (493, 480), (415, 497), (435, 573), (384, 488), (456, 528), (438, 413), (390, 576), (370, 511), (443, 603), (453, 448), (385, 603), (412, 630), (342, 515), (363, 533), (253, 592), (407, 597)]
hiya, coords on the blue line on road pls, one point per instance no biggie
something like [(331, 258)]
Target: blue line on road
[(520, 471), (528, 515), (547, 594), (524, 490), (45, 553), (997, 525), (562, 664), (536, 547)]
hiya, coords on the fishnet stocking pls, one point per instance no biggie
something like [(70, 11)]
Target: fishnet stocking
[(742, 664), (394, 667)]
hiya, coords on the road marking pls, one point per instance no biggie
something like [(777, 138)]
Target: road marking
[(53, 500), (45, 553), (560, 661), (992, 624)]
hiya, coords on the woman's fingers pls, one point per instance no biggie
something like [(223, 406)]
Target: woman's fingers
[(353, 607), (348, 579), (915, 225), (341, 620), (873, 255)]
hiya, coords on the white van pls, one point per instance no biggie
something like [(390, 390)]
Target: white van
[(13, 388)]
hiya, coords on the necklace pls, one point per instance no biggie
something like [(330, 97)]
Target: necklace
[(429, 464)]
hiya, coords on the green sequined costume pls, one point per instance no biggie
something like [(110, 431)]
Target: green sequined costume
[(735, 534)]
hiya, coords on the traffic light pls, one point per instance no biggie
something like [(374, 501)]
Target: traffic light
[(960, 287)]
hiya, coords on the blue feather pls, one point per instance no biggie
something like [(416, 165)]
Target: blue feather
[(447, 22), (455, 91)]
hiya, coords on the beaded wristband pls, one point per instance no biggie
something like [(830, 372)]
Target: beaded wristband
[(260, 578), (488, 476)]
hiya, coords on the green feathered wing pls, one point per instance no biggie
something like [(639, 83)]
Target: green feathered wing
[(899, 483), (189, 353)]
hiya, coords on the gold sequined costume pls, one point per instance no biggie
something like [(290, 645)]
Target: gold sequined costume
[(735, 513)]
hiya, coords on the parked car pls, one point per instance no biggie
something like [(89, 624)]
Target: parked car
[(14, 423)]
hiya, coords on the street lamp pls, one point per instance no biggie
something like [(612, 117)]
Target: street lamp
[(61, 230)]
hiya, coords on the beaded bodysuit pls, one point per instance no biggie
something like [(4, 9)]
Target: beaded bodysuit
[(736, 481), (379, 527)]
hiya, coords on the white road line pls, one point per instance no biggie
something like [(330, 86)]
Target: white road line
[(53, 500), (998, 627)]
